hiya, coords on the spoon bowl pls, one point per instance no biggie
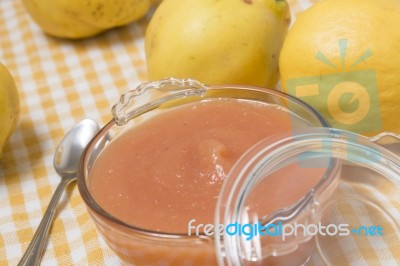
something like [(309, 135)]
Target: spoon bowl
[(69, 151), (66, 161)]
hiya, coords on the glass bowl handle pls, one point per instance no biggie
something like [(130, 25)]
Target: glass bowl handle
[(151, 95)]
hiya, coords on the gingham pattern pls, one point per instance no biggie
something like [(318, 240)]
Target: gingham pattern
[(60, 82)]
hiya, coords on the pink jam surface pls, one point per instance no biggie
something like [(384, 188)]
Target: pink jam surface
[(169, 169)]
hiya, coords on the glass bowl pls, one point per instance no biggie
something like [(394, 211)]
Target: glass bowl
[(140, 246), (357, 223)]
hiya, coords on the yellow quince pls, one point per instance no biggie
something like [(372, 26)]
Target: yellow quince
[(9, 106), (84, 18), (217, 42)]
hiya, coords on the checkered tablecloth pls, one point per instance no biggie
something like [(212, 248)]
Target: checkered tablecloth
[(60, 82)]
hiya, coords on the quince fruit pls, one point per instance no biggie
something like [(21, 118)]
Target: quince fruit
[(217, 42), (84, 18), (9, 106), (342, 57)]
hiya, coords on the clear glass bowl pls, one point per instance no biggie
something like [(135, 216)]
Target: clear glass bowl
[(356, 224), (138, 246)]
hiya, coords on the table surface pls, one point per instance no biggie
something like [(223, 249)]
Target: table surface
[(60, 83)]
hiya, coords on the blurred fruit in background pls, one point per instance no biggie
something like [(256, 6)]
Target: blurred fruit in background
[(217, 42), (9, 106), (84, 18), (342, 57)]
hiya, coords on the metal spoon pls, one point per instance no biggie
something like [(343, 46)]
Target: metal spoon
[(66, 160)]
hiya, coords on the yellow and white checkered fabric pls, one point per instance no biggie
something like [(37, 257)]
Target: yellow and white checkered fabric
[(60, 82)]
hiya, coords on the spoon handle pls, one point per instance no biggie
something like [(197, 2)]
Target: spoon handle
[(34, 252)]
